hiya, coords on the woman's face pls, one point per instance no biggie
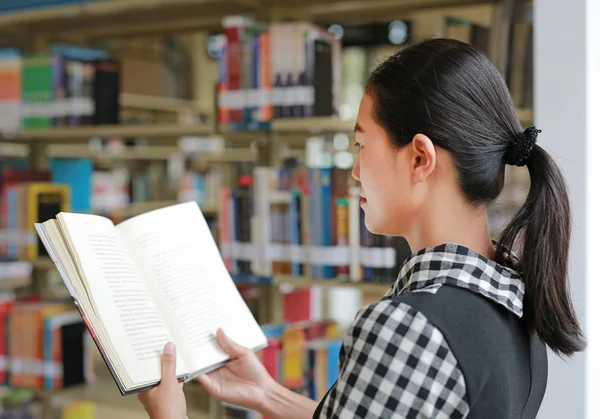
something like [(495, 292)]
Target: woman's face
[(389, 196)]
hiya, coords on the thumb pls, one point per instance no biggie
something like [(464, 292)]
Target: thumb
[(230, 347), (168, 361)]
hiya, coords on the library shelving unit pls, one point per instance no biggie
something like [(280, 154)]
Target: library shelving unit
[(107, 19)]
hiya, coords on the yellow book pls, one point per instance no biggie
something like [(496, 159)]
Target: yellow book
[(293, 345), (80, 410), (44, 201)]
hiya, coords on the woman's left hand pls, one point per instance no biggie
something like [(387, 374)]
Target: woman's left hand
[(166, 401)]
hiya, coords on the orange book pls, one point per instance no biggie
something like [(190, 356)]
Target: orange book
[(293, 342), (38, 339), (16, 346), (265, 71)]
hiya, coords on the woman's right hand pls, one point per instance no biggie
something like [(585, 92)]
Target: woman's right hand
[(244, 381)]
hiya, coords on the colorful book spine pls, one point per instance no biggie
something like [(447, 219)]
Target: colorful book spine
[(326, 217)]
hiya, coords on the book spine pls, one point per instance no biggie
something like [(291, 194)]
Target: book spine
[(104, 97), (265, 78), (326, 217), (277, 70), (294, 222), (225, 226), (315, 217), (343, 271), (49, 342), (366, 241), (234, 71), (354, 231), (234, 228), (246, 74), (222, 86), (58, 90)]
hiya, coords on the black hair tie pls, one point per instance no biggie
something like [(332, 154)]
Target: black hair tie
[(519, 150)]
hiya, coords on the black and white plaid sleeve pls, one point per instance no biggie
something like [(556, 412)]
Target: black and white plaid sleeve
[(396, 364)]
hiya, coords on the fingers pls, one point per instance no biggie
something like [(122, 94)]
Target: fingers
[(209, 385), (204, 380), (230, 347), (168, 362)]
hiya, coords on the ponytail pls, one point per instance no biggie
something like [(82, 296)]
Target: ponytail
[(543, 225)]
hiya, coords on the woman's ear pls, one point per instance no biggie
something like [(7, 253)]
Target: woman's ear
[(423, 157)]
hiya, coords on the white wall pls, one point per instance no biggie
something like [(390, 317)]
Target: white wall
[(567, 109)]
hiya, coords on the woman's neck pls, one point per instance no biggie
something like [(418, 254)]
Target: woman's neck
[(457, 224)]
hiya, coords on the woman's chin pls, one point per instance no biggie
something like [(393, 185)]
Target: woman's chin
[(374, 225)]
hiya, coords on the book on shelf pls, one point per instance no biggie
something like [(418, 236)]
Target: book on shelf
[(282, 70), (305, 222), (63, 87), (154, 278), (43, 345), (301, 356)]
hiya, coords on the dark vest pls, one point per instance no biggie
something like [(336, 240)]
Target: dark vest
[(505, 369)]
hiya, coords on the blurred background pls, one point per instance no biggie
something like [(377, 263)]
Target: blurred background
[(118, 107)]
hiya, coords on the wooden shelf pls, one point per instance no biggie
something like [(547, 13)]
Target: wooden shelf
[(309, 282), (127, 153), (104, 392), (292, 126), (317, 125), (302, 282), (150, 131), (230, 155), (13, 151), (356, 10), (127, 17), (150, 153), (143, 207), (158, 103)]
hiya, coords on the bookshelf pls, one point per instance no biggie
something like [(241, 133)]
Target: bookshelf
[(130, 18), (127, 17), (84, 133)]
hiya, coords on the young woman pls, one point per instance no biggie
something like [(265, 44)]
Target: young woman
[(464, 329)]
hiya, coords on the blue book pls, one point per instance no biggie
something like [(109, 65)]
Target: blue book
[(315, 216), (75, 52), (333, 355), (77, 173), (326, 219)]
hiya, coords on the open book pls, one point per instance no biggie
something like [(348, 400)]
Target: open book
[(154, 278)]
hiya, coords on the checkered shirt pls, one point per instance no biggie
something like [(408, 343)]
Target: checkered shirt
[(394, 363)]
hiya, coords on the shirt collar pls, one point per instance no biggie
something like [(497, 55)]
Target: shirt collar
[(459, 266)]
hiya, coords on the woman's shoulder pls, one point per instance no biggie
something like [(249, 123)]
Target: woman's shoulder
[(395, 342), (391, 321), (438, 315)]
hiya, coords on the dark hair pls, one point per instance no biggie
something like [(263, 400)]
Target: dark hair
[(450, 91)]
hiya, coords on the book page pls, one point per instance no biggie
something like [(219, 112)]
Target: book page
[(120, 296), (176, 250)]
